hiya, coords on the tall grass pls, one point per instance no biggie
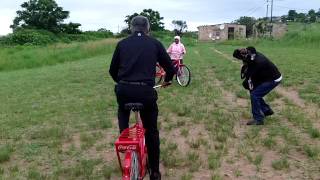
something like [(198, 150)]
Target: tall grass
[(25, 57), (302, 35)]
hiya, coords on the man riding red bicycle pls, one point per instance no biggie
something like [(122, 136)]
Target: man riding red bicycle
[(133, 68)]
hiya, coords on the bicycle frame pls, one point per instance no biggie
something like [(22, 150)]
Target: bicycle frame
[(177, 64), (132, 139), (180, 68)]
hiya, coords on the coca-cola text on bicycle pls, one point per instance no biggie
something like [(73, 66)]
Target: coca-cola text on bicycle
[(127, 147)]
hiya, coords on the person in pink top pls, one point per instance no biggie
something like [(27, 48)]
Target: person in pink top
[(177, 50)]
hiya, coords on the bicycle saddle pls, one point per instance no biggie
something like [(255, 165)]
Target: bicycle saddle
[(133, 106)]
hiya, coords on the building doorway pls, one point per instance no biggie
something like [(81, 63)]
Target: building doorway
[(231, 33)]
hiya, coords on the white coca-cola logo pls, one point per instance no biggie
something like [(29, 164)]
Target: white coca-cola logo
[(128, 147)]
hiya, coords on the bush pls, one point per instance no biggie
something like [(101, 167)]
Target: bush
[(29, 37), (77, 37), (43, 37), (193, 35), (121, 35), (162, 34), (99, 34)]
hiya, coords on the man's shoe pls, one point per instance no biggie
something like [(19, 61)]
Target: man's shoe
[(268, 113), (155, 176), (254, 122)]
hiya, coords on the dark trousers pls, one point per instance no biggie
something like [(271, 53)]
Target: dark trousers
[(258, 105), (149, 115)]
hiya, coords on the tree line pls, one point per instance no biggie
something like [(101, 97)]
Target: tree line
[(311, 17), (41, 22)]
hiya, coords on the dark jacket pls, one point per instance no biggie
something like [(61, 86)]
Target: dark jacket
[(259, 70), (135, 59)]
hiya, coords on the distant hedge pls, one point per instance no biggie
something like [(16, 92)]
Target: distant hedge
[(43, 37), (29, 37)]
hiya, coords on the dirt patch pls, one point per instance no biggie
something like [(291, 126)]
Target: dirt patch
[(241, 102), (292, 95), (311, 110), (74, 140), (224, 55), (202, 175)]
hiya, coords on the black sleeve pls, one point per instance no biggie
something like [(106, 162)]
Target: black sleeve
[(253, 69), (244, 71), (245, 84), (114, 66), (165, 62)]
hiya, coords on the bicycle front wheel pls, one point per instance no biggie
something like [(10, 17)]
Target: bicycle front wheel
[(183, 76)]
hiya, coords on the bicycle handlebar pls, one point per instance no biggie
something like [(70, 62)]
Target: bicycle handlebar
[(162, 85), (157, 86)]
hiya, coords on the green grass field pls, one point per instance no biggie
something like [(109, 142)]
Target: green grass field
[(26, 57), (58, 118)]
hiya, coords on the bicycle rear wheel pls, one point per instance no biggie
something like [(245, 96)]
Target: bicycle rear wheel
[(131, 166), (134, 166), (183, 76)]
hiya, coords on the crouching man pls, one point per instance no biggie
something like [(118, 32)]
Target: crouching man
[(260, 77)]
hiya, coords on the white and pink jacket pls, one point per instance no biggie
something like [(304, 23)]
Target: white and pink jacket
[(176, 51)]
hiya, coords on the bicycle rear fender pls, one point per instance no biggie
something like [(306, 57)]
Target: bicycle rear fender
[(127, 166)]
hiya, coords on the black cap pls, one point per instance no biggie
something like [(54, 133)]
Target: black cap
[(140, 24)]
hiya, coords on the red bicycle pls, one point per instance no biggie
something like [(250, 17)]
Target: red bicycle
[(183, 73), (131, 145)]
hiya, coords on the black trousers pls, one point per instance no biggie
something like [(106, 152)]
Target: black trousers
[(148, 97)]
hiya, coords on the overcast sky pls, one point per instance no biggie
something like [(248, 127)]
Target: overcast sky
[(110, 14)]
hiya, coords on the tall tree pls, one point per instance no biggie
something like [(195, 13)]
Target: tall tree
[(153, 16), (179, 26), (43, 14), (292, 15), (262, 27), (154, 19), (318, 13), (128, 19), (312, 15), (301, 17), (248, 22)]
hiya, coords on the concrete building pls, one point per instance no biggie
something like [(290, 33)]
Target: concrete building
[(221, 32), (262, 29)]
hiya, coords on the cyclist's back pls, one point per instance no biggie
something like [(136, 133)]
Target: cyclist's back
[(138, 55), (133, 67)]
